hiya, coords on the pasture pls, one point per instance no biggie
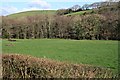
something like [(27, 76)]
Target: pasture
[(32, 13), (92, 52), (47, 12)]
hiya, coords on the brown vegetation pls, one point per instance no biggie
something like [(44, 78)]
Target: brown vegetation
[(93, 26), (103, 24), (9, 45), (21, 66)]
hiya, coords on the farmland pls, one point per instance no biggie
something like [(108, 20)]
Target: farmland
[(98, 53), (49, 12), (77, 42), (31, 13)]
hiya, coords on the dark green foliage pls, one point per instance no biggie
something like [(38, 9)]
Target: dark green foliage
[(63, 11), (75, 8)]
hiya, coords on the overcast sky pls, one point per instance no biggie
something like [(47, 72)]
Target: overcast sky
[(15, 6)]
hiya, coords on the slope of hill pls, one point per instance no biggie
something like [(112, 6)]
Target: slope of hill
[(31, 13), (50, 12)]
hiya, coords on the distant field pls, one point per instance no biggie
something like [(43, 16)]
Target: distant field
[(37, 12), (99, 53), (30, 13)]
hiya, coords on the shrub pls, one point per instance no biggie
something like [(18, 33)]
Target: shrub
[(21, 66)]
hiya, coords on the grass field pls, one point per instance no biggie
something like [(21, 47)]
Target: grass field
[(31, 13), (99, 53), (37, 12)]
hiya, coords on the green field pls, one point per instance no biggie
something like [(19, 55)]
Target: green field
[(38, 12), (31, 13), (98, 53)]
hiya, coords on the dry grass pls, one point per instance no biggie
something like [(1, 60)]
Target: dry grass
[(9, 45), (22, 66)]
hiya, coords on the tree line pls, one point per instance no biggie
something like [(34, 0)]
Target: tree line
[(96, 5), (102, 25)]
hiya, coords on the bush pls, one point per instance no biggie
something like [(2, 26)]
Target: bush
[(21, 66)]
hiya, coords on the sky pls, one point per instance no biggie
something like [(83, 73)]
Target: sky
[(15, 6)]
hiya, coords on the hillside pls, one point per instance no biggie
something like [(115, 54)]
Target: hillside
[(66, 43), (32, 13), (103, 9), (37, 12)]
